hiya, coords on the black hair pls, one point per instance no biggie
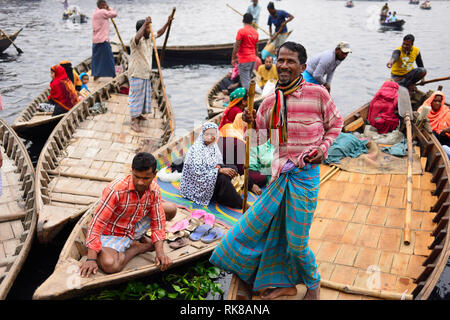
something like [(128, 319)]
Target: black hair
[(100, 2), (296, 47), (248, 18), (139, 24), (270, 5), (143, 161), (409, 37)]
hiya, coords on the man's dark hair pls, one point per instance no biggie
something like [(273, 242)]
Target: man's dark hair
[(296, 47), (248, 18), (139, 24), (409, 37), (99, 2), (143, 161), (270, 5)]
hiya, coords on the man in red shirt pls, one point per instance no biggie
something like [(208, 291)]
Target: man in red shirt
[(128, 208), (245, 50)]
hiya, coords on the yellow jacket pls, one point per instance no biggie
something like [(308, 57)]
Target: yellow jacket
[(266, 75)]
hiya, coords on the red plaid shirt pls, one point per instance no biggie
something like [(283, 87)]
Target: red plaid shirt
[(312, 121), (120, 209)]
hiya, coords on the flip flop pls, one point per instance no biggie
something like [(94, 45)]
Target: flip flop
[(179, 243), (199, 232), (198, 213), (179, 234), (193, 224), (209, 218), (178, 226), (213, 235)]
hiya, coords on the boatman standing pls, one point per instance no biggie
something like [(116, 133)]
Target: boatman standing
[(268, 246), (140, 70), (102, 56), (402, 64), (245, 51), (325, 63), (279, 18)]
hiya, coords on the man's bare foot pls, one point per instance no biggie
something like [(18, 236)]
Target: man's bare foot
[(273, 293), (135, 126), (96, 78), (141, 117), (256, 189), (312, 294)]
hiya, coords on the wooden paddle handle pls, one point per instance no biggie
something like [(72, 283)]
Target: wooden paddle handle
[(254, 23), (118, 34), (167, 35), (434, 80), (407, 228), (163, 87), (251, 99)]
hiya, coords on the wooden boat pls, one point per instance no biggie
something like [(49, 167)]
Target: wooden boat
[(17, 207), (425, 6), (86, 150), (201, 54), (5, 43), (395, 24), (74, 14), (414, 2), (64, 283), (32, 122), (349, 4), (357, 231), (215, 100)]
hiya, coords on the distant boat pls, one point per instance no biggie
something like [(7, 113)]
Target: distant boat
[(5, 43), (414, 1), (426, 5), (74, 14), (349, 4), (393, 24)]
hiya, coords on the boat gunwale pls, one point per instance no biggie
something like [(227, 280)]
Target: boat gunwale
[(30, 218)]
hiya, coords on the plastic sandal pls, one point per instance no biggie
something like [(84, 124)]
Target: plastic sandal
[(179, 243), (209, 218), (178, 226), (193, 224), (198, 213), (213, 235), (179, 234), (200, 232)]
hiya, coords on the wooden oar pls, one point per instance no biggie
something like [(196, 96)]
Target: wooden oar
[(19, 51), (167, 36), (118, 34), (405, 110), (253, 23), (169, 114), (433, 80), (251, 97)]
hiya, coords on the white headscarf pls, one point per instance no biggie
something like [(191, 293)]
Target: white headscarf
[(199, 169)]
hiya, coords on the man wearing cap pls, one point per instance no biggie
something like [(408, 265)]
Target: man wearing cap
[(324, 64), (279, 18), (402, 64)]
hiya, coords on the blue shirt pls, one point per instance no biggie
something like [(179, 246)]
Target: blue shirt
[(280, 17), (254, 11)]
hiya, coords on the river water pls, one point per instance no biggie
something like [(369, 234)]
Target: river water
[(319, 25)]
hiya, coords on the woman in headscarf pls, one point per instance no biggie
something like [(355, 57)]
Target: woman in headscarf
[(62, 91), (238, 102), (71, 74), (439, 116), (204, 178)]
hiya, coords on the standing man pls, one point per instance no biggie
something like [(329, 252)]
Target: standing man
[(102, 56), (324, 64), (140, 70), (128, 208), (254, 9), (268, 246), (246, 50), (279, 18), (402, 64)]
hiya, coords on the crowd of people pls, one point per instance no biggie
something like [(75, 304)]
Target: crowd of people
[(284, 168)]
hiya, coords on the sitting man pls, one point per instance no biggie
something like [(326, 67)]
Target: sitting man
[(129, 207), (266, 72), (402, 64)]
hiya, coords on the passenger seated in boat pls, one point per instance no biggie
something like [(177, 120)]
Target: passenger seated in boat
[(129, 207), (84, 90), (402, 64), (71, 74), (388, 17), (393, 17), (204, 177), (266, 72), (439, 116), (230, 82), (238, 102), (62, 91), (232, 146)]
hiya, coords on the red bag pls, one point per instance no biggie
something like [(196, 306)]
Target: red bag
[(383, 107)]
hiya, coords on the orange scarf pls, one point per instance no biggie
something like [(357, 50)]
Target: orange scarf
[(441, 119)]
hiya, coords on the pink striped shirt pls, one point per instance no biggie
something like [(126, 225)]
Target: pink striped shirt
[(313, 120), (100, 24), (120, 208)]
